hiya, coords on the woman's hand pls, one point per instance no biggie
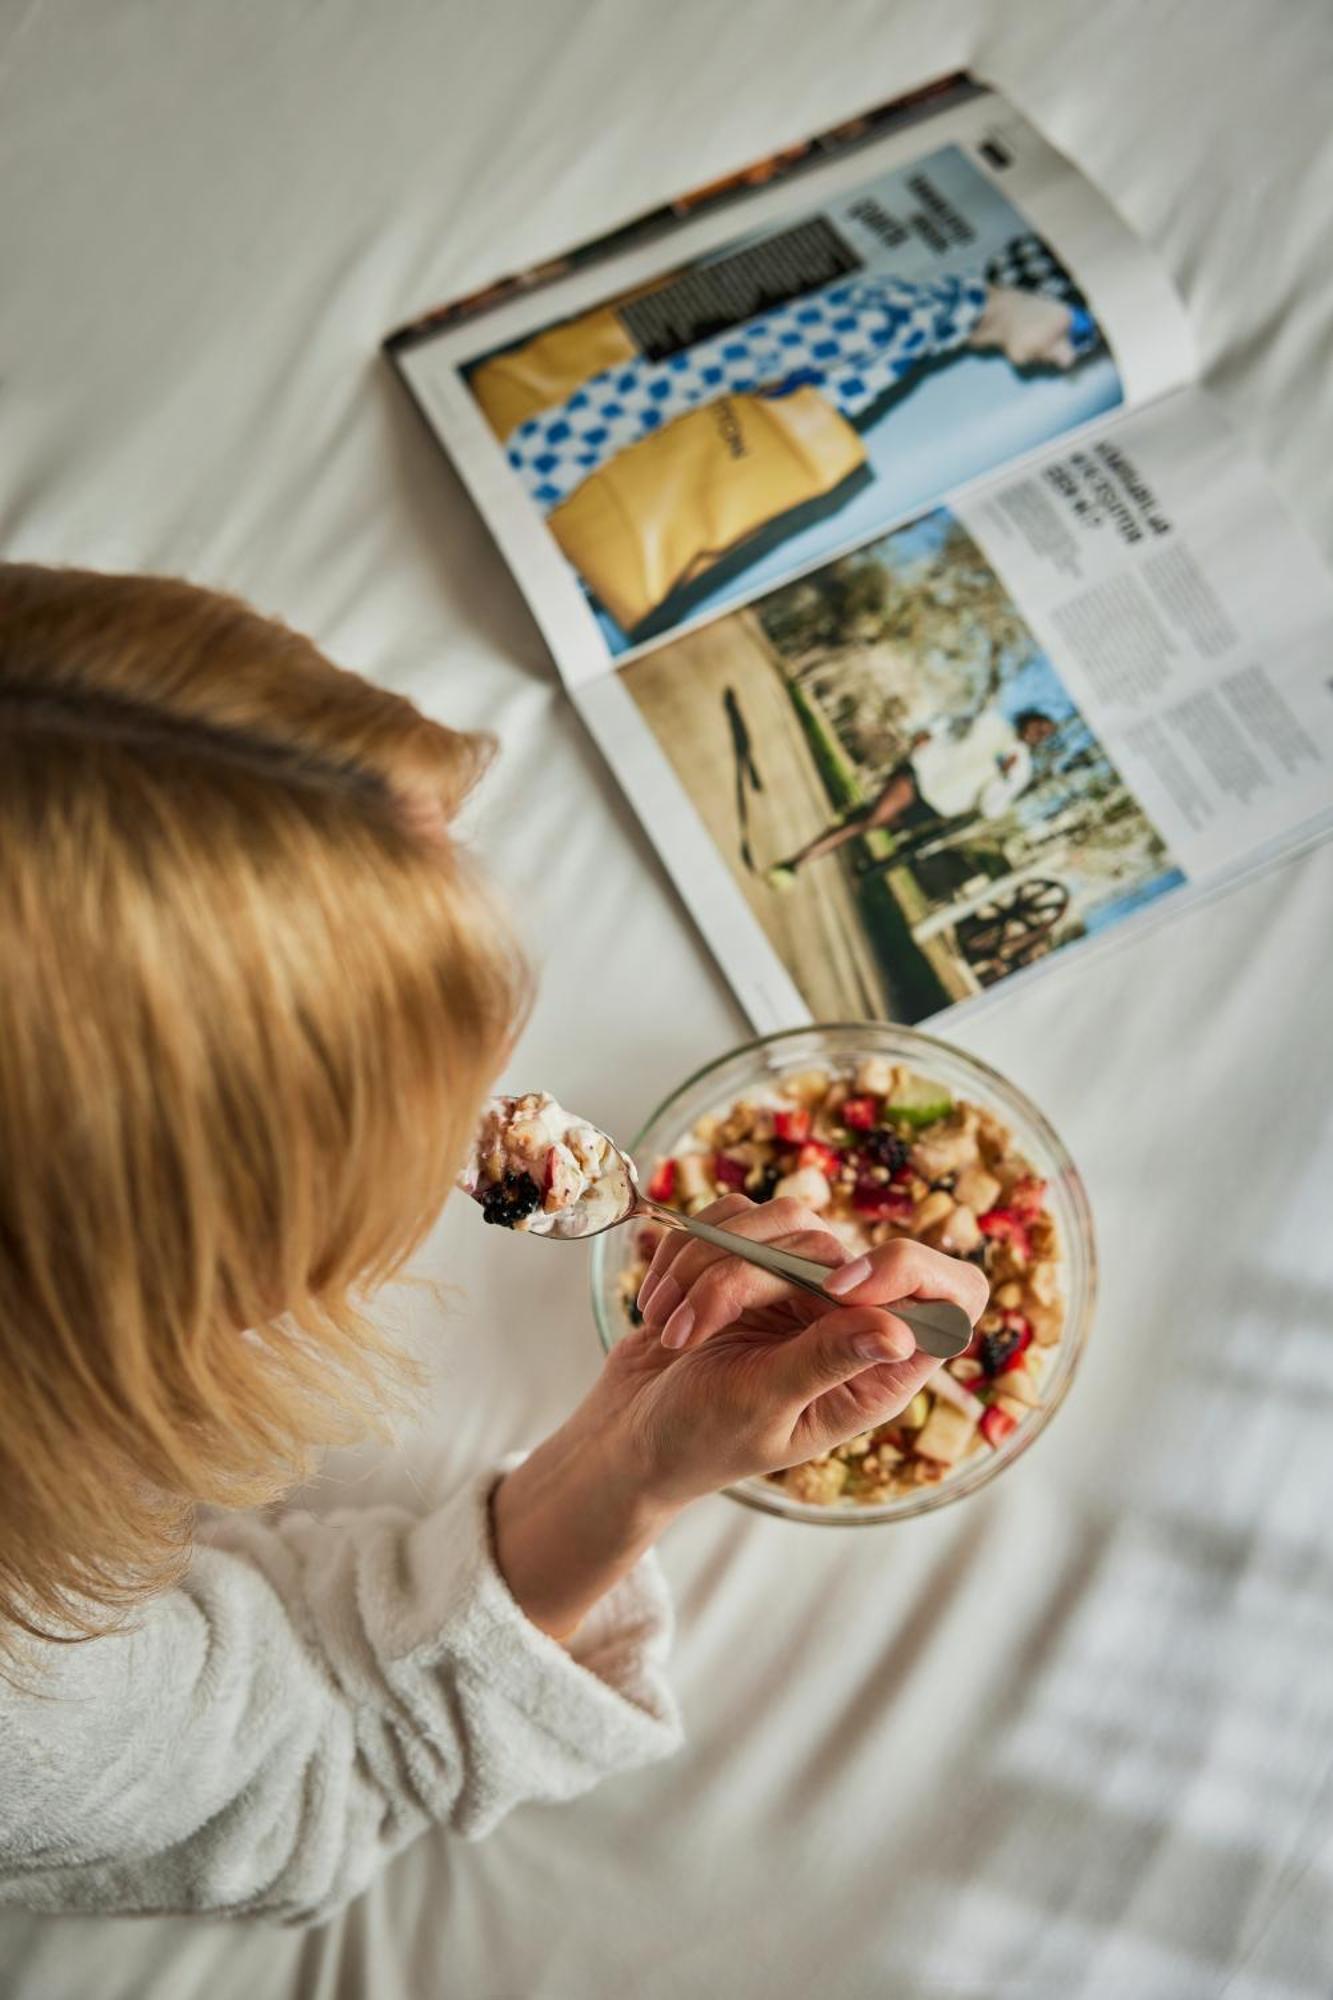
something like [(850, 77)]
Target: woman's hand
[(766, 1375), (757, 1376), (1027, 327)]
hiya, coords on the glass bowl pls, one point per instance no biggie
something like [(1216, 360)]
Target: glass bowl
[(763, 1063)]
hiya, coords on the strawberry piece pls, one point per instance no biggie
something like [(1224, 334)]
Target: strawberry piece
[(996, 1425), (861, 1114), (1003, 1222), (729, 1173), (882, 1203), (662, 1186), (792, 1128), (814, 1153)]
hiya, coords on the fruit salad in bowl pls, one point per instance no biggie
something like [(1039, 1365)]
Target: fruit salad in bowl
[(885, 1133)]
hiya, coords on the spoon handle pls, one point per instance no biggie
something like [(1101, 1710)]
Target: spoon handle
[(939, 1327)]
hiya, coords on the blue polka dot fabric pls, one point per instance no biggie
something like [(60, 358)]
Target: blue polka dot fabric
[(853, 342)]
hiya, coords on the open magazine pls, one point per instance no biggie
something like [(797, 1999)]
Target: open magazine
[(933, 620)]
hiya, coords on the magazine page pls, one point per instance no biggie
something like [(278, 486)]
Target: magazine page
[(783, 367), (991, 736)]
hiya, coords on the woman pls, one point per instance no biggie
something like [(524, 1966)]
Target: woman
[(252, 995), (977, 770)]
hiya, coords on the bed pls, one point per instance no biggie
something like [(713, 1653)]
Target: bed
[(1075, 1738)]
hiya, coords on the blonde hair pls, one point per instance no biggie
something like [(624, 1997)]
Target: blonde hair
[(251, 997)]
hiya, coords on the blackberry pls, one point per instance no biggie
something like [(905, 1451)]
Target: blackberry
[(510, 1200), (772, 1174), (885, 1148), (997, 1350)]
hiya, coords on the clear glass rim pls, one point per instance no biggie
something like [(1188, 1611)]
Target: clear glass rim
[(1079, 1256)]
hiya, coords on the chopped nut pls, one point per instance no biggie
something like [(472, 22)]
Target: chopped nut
[(1009, 1296), (1047, 1323), (737, 1125), (819, 1481), (1041, 1235), (1043, 1284)]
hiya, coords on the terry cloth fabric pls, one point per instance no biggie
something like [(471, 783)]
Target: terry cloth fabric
[(312, 1696)]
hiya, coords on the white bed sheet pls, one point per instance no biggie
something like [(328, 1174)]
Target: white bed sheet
[(1074, 1739)]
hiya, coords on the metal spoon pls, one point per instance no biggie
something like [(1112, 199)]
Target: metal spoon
[(940, 1327)]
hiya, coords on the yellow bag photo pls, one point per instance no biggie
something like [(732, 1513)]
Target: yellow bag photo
[(664, 511), (514, 386)]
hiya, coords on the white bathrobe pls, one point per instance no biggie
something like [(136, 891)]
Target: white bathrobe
[(312, 1696)]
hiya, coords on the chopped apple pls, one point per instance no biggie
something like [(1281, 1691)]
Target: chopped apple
[(958, 1234), (806, 1185), (947, 1434), (694, 1177), (976, 1189), (1019, 1386), (949, 1390)]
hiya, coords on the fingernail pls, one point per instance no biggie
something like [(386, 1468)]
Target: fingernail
[(667, 1295), (848, 1277), (679, 1327), (652, 1280), (894, 1344)]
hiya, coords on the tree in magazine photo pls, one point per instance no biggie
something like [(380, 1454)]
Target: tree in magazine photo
[(906, 793)]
